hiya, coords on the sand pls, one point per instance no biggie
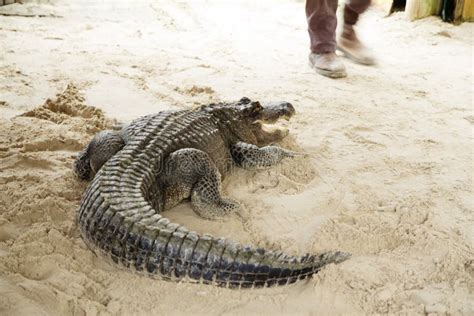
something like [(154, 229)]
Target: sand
[(388, 177)]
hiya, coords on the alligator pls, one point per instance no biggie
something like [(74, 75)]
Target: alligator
[(157, 161)]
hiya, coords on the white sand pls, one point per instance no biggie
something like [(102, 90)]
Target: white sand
[(389, 178)]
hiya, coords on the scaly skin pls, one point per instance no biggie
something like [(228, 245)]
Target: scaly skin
[(120, 213)]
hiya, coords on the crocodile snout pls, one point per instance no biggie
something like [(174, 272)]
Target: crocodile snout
[(277, 110)]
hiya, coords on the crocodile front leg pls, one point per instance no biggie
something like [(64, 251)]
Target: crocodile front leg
[(250, 156), (192, 173)]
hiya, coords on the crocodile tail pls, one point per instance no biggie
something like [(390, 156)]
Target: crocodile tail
[(229, 264), (140, 238), (181, 254)]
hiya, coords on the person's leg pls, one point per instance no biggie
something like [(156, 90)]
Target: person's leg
[(352, 10), (322, 21), (349, 42)]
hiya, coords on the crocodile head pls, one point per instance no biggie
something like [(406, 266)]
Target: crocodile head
[(249, 119)]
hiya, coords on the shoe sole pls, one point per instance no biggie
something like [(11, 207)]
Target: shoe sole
[(354, 59), (328, 73)]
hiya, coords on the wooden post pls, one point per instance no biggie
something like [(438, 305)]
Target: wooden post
[(463, 11), (417, 9)]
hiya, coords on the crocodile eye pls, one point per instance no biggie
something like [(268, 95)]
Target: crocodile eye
[(253, 109), (256, 107), (244, 100)]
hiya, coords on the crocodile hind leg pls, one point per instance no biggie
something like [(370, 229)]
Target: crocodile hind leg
[(192, 169), (250, 156), (101, 148)]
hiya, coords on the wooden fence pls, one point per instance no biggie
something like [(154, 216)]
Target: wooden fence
[(5, 2), (455, 11)]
